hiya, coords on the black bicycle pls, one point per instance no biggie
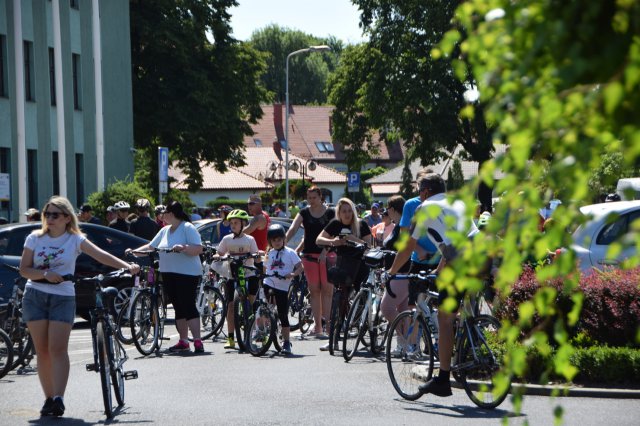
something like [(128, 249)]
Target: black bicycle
[(265, 328), (300, 313), (109, 355), (11, 322)]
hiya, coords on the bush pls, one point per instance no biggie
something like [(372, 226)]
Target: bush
[(120, 190), (610, 312)]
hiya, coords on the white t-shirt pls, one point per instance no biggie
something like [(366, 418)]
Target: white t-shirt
[(178, 263), (436, 228), (244, 244), (283, 262), (56, 255)]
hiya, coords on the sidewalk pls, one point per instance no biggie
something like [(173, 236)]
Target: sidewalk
[(555, 390)]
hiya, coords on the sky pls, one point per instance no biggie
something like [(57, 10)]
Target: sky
[(319, 18)]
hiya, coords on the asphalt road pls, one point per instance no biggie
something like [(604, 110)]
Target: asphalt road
[(309, 388)]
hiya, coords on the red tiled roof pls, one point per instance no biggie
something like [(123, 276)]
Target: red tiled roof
[(257, 169), (307, 125)]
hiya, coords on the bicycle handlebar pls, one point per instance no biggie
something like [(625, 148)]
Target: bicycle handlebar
[(237, 257)]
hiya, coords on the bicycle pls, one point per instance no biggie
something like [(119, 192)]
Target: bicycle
[(265, 328), (108, 353), (210, 302), (364, 315), (343, 292), (147, 310), (474, 363), (242, 309), (11, 322), (300, 314), (6, 353)]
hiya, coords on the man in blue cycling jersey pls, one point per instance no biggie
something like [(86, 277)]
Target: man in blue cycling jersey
[(436, 230)]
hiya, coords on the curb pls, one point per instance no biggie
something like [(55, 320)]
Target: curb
[(553, 390)]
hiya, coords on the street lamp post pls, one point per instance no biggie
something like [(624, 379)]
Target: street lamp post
[(308, 165), (321, 48)]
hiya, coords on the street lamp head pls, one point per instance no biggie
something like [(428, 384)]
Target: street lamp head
[(293, 165), (312, 165), (320, 48)]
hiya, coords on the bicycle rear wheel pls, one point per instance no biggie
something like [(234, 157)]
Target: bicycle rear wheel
[(6, 353), (354, 327), (378, 333), (117, 369), (409, 354), (123, 324), (22, 343), (336, 322), (477, 373), (145, 324), (213, 314), (104, 367), (295, 305), (261, 332)]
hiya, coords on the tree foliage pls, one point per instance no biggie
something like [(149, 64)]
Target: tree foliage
[(455, 178), (394, 86), (561, 85), (196, 97), (604, 178), (307, 72), (407, 188)]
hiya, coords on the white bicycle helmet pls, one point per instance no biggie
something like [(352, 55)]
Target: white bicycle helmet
[(143, 204), (121, 205)]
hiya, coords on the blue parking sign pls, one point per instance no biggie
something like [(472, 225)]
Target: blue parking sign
[(353, 181), (163, 164)]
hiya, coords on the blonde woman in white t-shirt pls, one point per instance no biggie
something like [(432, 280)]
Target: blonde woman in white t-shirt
[(49, 301)]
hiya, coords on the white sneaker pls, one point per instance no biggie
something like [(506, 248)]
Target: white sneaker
[(397, 352), (325, 347)]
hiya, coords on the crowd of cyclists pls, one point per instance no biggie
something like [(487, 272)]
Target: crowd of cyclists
[(330, 254)]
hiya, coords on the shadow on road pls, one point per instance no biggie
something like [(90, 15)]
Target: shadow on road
[(458, 411)]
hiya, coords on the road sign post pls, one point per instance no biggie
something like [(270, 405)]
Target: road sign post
[(163, 171)]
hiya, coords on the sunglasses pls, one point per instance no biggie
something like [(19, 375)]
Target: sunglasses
[(251, 203), (54, 215)]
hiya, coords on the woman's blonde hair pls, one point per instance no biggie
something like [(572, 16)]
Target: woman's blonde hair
[(355, 221), (65, 207)]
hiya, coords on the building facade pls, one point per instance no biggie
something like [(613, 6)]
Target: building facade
[(66, 127)]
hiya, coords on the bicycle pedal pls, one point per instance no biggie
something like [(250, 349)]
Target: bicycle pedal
[(165, 338), (131, 374), (91, 367)]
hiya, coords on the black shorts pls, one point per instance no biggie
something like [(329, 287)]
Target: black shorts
[(229, 288)]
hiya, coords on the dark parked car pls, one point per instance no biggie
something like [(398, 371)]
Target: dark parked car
[(12, 237), (209, 230)]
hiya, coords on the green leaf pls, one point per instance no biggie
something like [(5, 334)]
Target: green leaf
[(613, 95)]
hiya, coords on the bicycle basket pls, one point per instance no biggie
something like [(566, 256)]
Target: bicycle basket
[(222, 268)]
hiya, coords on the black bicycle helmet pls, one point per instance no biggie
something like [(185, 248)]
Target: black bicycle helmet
[(612, 198), (275, 231)]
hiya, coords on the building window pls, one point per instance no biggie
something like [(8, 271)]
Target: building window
[(32, 178), (5, 167), (77, 82), (3, 61), (75, 4), (29, 88), (324, 146), (258, 142), (52, 76), (79, 178), (56, 174)]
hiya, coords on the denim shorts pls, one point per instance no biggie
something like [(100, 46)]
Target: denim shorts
[(38, 305)]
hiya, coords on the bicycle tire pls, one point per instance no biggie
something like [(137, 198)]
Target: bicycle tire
[(22, 343), (354, 326), (117, 369), (295, 306), (335, 322), (409, 367), (378, 333), (123, 324), (145, 324), (261, 333), (104, 367), (6, 353), (477, 379), (121, 298), (214, 313), (242, 313), (278, 339)]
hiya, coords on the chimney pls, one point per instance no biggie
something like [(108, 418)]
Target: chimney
[(278, 121)]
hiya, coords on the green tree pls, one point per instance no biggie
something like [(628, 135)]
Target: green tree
[(455, 178), (119, 190), (561, 103), (307, 73), (394, 86), (604, 178), (196, 97), (407, 188)]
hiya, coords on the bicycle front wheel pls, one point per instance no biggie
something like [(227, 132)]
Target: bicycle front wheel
[(295, 305), (104, 367), (354, 326), (213, 314), (409, 355), (145, 324), (6, 353), (117, 369), (242, 314), (261, 333), (337, 318), (477, 366), (123, 324)]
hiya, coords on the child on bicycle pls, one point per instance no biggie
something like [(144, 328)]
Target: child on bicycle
[(285, 262), (238, 243)]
